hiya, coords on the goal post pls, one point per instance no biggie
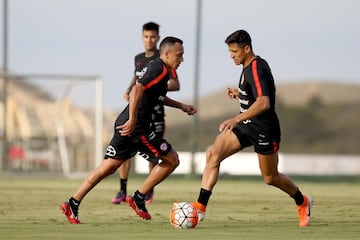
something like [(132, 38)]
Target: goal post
[(56, 119)]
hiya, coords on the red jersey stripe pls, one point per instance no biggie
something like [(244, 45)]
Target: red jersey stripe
[(149, 145), (173, 73), (157, 79), (256, 78)]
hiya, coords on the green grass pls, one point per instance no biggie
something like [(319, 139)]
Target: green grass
[(239, 209)]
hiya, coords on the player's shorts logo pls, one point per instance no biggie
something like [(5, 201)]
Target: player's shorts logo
[(163, 147), (110, 151)]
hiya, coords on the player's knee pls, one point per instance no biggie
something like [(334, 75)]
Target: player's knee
[(175, 161), (269, 180), (172, 159), (212, 158)]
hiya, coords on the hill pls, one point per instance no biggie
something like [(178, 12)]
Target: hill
[(315, 118)]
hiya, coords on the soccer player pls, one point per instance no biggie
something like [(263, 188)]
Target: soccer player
[(256, 125), (132, 133), (150, 38)]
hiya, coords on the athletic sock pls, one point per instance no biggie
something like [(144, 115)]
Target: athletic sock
[(204, 196), (123, 184), (139, 196), (74, 203), (298, 197)]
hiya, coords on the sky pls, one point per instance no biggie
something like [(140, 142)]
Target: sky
[(302, 40)]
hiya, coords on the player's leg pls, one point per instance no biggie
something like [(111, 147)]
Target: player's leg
[(226, 144), (269, 170), (268, 167), (160, 172), (150, 195), (70, 207), (124, 170)]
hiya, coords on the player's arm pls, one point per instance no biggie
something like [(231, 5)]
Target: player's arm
[(128, 90), (137, 93), (189, 109), (261, 105), (173, 84)]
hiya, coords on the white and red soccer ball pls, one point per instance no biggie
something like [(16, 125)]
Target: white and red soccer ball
[(183, 215)]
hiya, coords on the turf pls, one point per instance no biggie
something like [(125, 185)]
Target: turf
[(240, 208)]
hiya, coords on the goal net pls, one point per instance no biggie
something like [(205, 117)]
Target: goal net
[(51, 123)]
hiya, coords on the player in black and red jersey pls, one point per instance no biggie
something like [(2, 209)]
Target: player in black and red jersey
[(257, 125), (132, 133), (150, 38)]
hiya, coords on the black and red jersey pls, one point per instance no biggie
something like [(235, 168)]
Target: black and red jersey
[(155, 76), (141, 61), (257, 80)]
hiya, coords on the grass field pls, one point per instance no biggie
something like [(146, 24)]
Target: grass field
[(239, 209)]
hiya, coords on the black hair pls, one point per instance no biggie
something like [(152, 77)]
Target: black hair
[(169, 42), (240, 37), (151, 26)]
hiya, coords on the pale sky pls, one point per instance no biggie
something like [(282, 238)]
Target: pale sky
[(302, 40)]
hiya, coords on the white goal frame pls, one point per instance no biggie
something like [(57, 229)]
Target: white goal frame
[(65, 163)]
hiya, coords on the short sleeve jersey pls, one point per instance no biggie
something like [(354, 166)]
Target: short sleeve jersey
[(141, 61), (155, 76), (257, 80)]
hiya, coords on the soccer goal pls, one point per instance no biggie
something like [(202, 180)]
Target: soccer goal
[(51, 122)]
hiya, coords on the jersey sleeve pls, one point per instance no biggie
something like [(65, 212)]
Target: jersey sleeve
[(136, 59), (154, 72), (262, 78)]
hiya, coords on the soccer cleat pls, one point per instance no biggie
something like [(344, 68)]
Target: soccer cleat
[(304, 211), (201, 209), (149, 197), (120, 197), (70, 213), (139, 207)]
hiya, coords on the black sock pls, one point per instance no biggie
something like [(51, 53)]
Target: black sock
[(298, 197), (204, 196), (123, 184), (74, 203), (139, 196)]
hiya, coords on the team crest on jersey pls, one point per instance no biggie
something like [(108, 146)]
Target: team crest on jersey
[(138, 63)]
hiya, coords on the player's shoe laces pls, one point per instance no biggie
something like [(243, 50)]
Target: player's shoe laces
[(120, 197), (138, 206), (70, 212), (304, 211), (201, 209), (149, 197)]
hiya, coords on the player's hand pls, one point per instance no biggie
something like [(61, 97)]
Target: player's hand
[(189, 109), (227, 124), (127, 128), (126, 95), (232, 93)]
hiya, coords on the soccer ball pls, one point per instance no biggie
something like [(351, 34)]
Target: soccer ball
[(183, 215)]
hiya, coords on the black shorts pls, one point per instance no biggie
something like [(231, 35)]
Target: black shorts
[(150, 145), (264, 142)]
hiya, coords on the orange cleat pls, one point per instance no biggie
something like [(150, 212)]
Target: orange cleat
[(304, 211), (201, 209)]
